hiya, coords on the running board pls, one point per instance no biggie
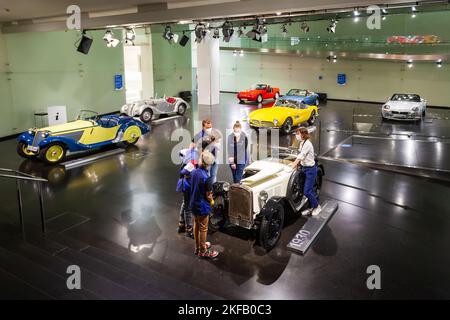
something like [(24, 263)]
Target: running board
[(303, 240), (89, 159)]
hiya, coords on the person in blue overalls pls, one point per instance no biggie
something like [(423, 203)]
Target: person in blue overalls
[(237, 144), (306, 159), (201, 205)]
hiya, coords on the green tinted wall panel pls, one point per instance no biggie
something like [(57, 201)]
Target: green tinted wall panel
[(172, 65), (45, 69)]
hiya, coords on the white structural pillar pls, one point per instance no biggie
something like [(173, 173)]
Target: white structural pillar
[(208, 71)]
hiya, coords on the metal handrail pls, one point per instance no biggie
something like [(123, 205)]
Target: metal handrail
[(21, 176)]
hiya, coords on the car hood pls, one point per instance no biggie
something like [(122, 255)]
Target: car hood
[(402, 105), (69, 126), (268, 114), (248, 91), (266, 168)]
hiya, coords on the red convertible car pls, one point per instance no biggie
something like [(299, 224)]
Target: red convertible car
[(258, 93)]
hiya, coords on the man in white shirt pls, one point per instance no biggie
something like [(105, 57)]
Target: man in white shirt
[(308, 165)]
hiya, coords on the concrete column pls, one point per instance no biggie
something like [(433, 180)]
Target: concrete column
[(208, 71)]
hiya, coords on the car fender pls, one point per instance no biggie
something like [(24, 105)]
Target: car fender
[(26, 137), (265, 211), (180, 101), (144, 127)]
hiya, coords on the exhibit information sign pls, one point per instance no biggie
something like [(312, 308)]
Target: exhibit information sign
[(57, 115)]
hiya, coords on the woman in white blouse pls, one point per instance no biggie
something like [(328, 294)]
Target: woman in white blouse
[(308, 165)]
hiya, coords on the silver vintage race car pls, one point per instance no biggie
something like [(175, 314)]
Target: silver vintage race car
[(147, 109), (269, 189)]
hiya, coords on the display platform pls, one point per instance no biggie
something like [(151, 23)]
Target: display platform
[(92, 158), (303, 240)]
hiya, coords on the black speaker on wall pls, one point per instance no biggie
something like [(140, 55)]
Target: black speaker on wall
[(184, 40), (85, 44)]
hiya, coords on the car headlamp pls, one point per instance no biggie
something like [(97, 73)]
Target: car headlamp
[(226, 187), (275, 121), (263, 196), (30, 131), (415, 109), (386, 107), (45, 134)]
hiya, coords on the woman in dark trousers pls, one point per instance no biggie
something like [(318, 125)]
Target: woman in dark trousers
[(306, 160), (237, 152)]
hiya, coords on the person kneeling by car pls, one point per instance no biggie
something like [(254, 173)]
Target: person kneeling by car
[(308, 166), (201, 205)]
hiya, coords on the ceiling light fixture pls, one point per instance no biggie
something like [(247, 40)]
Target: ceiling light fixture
[(304, 26), (169, 35), (332, 27), (110, 40), (439, 63), (130, 36), (227, 31), (200, 32)]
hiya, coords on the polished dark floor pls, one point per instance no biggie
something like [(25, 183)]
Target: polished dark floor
[(116, 219)]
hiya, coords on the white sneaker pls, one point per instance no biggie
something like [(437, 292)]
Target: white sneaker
[(317, 210), (307, 212)]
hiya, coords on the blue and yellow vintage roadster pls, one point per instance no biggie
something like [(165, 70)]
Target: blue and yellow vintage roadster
[(87, 132)]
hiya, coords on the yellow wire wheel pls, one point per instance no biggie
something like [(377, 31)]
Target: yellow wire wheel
[(22, 150), (131, 135), (54, 153)]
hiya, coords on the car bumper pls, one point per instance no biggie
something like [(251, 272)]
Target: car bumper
[(263, 124), (401, 116)]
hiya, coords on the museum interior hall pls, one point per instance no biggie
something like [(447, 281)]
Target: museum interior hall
[(224, 149)]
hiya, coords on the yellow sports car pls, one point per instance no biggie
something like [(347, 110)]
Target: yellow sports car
[(284, 115)]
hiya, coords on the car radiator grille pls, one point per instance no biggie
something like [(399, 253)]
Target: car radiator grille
[(241, 206), (398, 112), (37, 138)]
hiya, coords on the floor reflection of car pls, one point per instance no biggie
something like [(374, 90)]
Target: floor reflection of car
[(87, 132), (83, 177), (269, 188), (284, 115), (404, 107)]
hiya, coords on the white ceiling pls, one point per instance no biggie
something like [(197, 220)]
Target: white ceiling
[(17, 15)]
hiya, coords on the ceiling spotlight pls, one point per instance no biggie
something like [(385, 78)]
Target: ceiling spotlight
[(332, 27), (278, 13), (409, 63), (169, 35), (240, 32), (304, 26), (235, 53), (413, 9), (356, 13), (242, 53), (110, 40), (259, 32), (284, 31), (227, 31), (439, 63), (384, 11), (216, 34), (200, 32), (130, 35)]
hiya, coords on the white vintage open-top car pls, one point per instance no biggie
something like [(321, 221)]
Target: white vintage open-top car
[(146, 109), (403, 106), (269, 189)]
